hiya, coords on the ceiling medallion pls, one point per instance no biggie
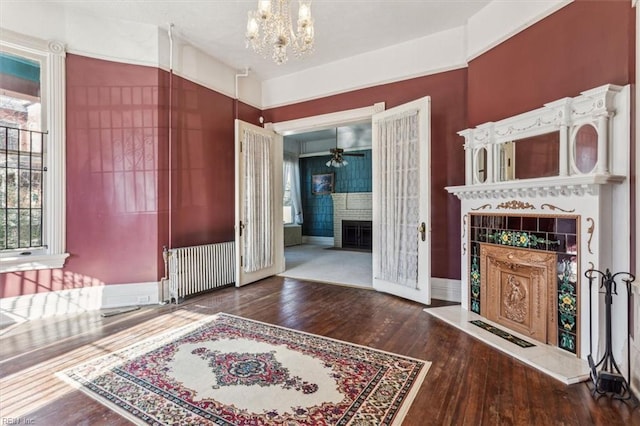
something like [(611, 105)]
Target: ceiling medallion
[(269, 29)]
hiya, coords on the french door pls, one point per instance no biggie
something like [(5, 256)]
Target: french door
[(401, 197), (258, 203)]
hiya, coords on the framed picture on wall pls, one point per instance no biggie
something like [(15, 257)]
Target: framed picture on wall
[(322, 184)]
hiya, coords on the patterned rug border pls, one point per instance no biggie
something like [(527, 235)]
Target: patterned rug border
[(509, 337), (172, 334)]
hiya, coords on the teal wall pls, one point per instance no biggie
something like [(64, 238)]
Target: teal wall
[(318, 209)]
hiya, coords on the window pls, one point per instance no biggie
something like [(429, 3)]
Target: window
[(291, 203), (287, 207), (32, 141)]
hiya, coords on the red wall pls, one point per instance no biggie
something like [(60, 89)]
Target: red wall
[(448, 115), (117, 144), (583, 45), (117, 174), (203, 166)]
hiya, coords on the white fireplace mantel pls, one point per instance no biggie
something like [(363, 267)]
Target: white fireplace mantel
[(598, 199), (542, 187)]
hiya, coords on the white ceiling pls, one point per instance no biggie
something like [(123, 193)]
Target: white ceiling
[(346, 135), (343, 28)]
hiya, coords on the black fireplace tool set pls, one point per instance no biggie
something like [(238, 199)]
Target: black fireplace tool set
[(605, 374)]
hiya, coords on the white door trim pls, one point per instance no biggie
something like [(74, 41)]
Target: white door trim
[(322, 121)]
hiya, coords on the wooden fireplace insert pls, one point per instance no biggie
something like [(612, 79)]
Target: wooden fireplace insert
[(518, 290)]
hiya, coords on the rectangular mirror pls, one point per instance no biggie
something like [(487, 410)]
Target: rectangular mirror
[(532, 157)]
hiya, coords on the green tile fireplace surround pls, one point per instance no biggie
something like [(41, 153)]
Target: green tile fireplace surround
[(546, 233)]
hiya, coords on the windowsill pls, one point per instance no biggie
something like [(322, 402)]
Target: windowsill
[(32, 262)]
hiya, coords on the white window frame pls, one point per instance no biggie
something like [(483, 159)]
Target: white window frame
[(51, 56)]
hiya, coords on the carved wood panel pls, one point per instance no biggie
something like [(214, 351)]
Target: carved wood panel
[(518, 289)]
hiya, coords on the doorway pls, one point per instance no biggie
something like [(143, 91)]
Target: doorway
[(400, 197), (320, 254)]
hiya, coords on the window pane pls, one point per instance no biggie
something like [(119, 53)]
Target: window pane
[(287, 215), (12, 228), (25, 228), (36, 189), (25, 189), (3, 233), (12, 189), (36, 228)]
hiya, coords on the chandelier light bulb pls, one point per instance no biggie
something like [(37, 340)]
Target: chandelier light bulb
[(304, 13), (264, 9), (252, 27)]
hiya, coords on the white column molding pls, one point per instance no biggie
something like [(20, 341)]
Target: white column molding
[(565, 131), (602, 166), (55, 226), (468, 153)]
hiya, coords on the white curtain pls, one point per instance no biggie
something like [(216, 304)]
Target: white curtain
[(258, 233), (399, 189), (292, 172)]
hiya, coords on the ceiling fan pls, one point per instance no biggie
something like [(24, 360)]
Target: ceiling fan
[(337, 159)]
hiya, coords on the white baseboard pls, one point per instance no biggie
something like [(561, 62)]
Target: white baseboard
[(325, 241), (446, 289), (41, 305)]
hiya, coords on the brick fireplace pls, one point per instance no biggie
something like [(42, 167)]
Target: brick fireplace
[(350, 207)]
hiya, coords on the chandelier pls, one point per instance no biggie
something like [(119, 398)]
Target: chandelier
[(269, 29), (337, 161)]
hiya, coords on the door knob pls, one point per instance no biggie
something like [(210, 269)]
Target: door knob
[(422, 229)]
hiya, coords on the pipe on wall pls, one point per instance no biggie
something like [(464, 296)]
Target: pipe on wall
[(170, 166), (235, 101)]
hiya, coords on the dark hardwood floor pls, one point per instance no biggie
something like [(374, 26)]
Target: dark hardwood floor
[(469, 383)]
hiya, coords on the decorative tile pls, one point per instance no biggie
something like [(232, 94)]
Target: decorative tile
[(567, 341), (553, 234), (475, 285), (529, 223), (546, 224), (475, 306), (567, 304), (514, 223), (566, 226), (567, 322)]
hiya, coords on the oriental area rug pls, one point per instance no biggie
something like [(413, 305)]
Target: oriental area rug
[(228, 370)]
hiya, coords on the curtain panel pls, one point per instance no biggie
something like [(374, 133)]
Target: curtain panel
[(398, 171)]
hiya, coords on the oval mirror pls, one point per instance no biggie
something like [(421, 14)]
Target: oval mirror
[(481, 165), (585, 148)]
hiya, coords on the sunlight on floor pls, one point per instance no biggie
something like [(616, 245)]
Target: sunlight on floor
[(27, 390)]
